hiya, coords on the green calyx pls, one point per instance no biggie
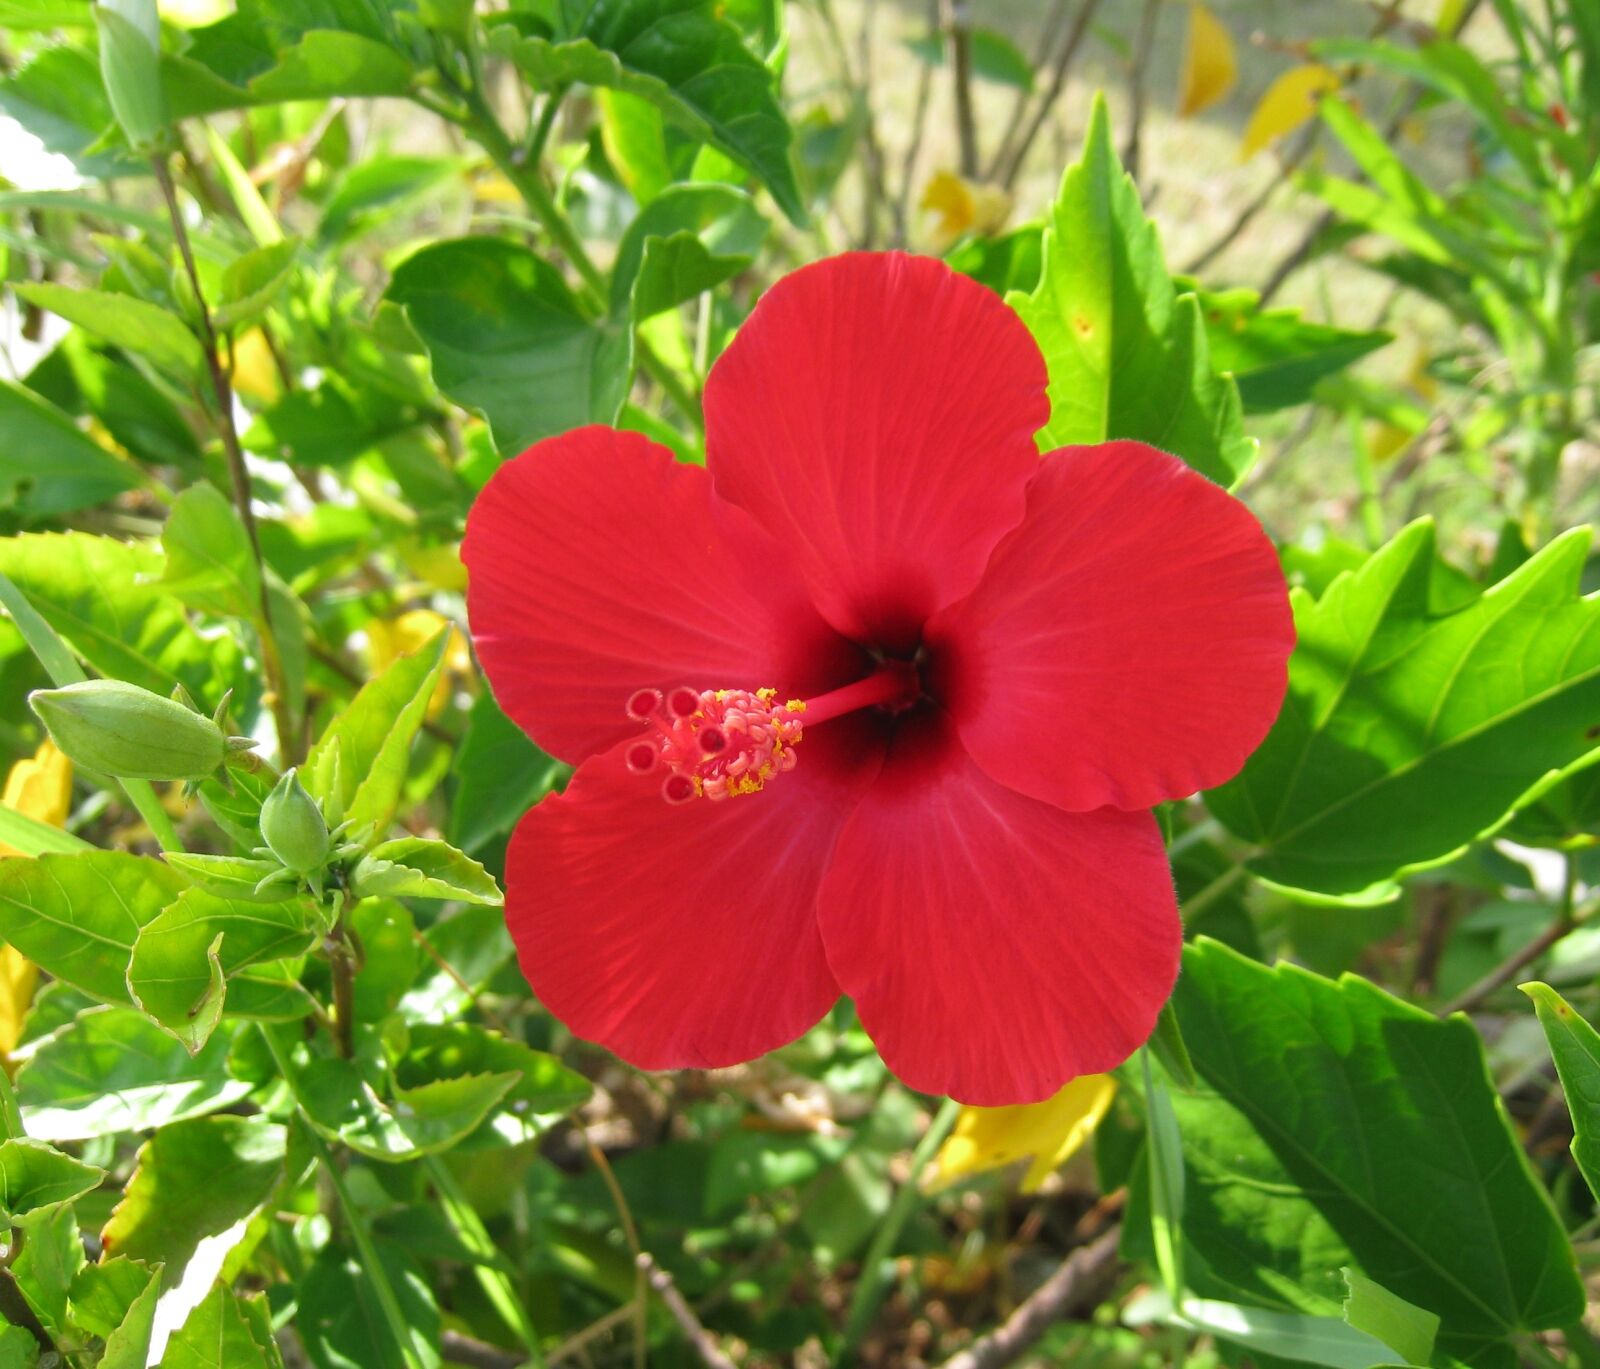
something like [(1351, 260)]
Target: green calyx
[(120, 729)]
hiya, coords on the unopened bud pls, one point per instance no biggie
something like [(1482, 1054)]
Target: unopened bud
[(293, 826), (123, 730)]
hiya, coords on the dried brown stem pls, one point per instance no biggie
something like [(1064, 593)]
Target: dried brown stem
[(1138, 93), (1085, 1277), (701, 1340), (956, 20)]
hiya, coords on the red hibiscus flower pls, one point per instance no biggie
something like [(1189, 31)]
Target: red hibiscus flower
[(875, 704)]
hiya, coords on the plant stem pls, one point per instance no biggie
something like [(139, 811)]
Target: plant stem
[(383, 1290), (957, 23), (481, 123), (1565, 920), (491, 1277), (872, 1283), (1007, 174), (1143, 48), (238, 472)]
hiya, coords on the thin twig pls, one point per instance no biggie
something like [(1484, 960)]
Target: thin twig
[(1058, 80), (593, 1331), (1082, 1281), (1138, 94), (698, 1337), (456, 1348), (956, 20), (630, 1233), (1565, 920), (874, 165), (238, 472), (1019, 105), (919, 125), (1291, 159)]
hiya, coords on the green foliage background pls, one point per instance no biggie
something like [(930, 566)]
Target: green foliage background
[(313, 268)]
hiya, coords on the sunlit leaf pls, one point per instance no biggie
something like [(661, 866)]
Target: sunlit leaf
[(1210, 67), (1290, 101)]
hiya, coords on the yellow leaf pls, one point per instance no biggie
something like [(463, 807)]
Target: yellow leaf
[(1209, 65), (388, 640), (1048, 1133), (439, 564), (39, 788), (1289, 102), (255, 372)]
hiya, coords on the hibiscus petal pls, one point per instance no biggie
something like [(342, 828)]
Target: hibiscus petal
[(996, 946), (682, 935), (1129, 641), (876, 415), (599, 566)]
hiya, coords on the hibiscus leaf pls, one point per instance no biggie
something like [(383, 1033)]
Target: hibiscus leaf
[(1127, 355), (1338, 1127), (194, 1180), (433, 1116), (203, 953), (1410, 731), (357, 768), (1575, 1045), (77, 916), (35, 1177), (422, 867), (209, 560), (113, 1070), (47, 466), (685, 241), (684, 59), (508, 340), (133, 324), (215, 1336), (99, 594)]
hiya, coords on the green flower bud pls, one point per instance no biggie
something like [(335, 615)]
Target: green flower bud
[(293, 827), (122, 730)]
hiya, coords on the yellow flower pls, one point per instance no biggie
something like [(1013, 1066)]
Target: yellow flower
[(1048, 1133), (960, 207), (38, 788), (389, 640)]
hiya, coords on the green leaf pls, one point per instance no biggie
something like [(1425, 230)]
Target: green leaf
[(78, 916), (500, 774), (508, 340), (49, 1263), (1274, 355), (545, 1090), (34, 838), (381, 186), (1407, 1330), (358, 765), (340, 1104), (422, 867), (195, 959), (1127, 355), (1407, 733), (1343, 1128), (103, 1294), (47, 466), (329, 62), (128, 1346), (682, 58), (215, 1336), (341, 1322), (253, 280), (130, 62), (98, 593), (59, 97), (113, 1070), (685, 241), (194, 1179), (146, 330), (209, 561), (35, 1177), (1291, 1336), (1575, 1045), (230, 876)]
